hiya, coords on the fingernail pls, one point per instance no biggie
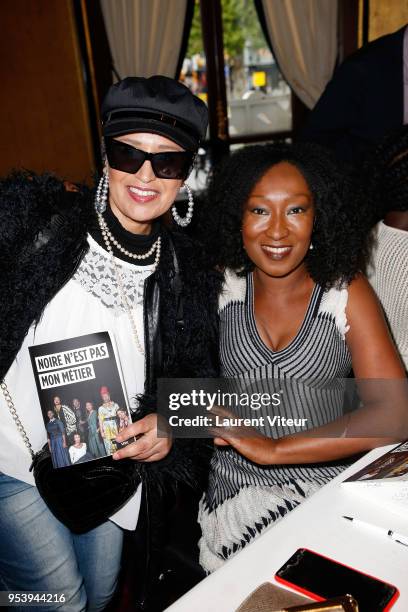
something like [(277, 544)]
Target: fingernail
[(115, 456)]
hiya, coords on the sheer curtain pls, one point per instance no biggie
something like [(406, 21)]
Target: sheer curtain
[(145, 36), (303, 34)]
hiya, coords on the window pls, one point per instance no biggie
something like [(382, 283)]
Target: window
[(194, 71), (259, 100), (248, 98)]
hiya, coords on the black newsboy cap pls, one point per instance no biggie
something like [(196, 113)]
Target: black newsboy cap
[(156, 104)]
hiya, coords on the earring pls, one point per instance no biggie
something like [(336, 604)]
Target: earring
[(311, 247), (184, 221), (101, 195)]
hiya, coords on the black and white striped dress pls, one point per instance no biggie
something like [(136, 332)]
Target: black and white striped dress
[(242, 497)]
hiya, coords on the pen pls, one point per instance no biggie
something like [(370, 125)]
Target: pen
[(400, 539)]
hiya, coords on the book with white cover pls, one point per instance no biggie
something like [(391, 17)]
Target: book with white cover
[(385, 480)]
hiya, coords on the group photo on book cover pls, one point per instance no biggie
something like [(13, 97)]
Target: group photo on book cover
[(82, 398), (384, 481), (392, 465)]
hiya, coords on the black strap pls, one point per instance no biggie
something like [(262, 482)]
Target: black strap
[(177, 285), (151, 301)]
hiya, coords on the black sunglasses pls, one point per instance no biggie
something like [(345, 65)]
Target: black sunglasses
[(167, 165)]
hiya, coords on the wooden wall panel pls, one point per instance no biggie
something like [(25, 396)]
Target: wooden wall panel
[(386, 16), (43, 107)]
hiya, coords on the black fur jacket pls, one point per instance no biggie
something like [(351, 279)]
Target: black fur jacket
[(43, 233)]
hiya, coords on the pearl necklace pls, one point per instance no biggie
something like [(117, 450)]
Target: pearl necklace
[(109, 240), (106, 233)]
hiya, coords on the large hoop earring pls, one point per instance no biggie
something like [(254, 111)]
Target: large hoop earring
[(101, 196), (184, 221)]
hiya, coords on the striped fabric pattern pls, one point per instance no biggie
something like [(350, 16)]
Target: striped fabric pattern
[(242, 497), (388, 275)]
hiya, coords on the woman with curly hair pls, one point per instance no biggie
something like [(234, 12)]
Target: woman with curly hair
[(294, 306), (387, 187)]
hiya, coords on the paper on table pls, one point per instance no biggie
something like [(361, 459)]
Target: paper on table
[(384, 485), (358, 503)]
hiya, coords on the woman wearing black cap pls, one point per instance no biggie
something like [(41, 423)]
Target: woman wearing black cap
[(71, 270)]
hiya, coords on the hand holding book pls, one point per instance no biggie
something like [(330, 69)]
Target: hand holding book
[(147, 447)]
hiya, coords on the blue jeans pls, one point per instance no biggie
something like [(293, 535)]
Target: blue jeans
[(38, 553)]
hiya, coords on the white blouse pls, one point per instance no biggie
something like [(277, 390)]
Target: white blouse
[(76, 453), (88, 303)]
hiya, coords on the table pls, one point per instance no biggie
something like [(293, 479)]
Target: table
[(316, 524)]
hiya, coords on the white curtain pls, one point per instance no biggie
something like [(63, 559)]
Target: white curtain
[(304, 40), (145, 36)]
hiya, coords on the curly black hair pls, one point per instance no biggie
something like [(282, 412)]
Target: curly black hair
[(384, 177), (339, 245)]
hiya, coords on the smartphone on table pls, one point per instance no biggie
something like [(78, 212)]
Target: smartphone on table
[(320, 578)]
